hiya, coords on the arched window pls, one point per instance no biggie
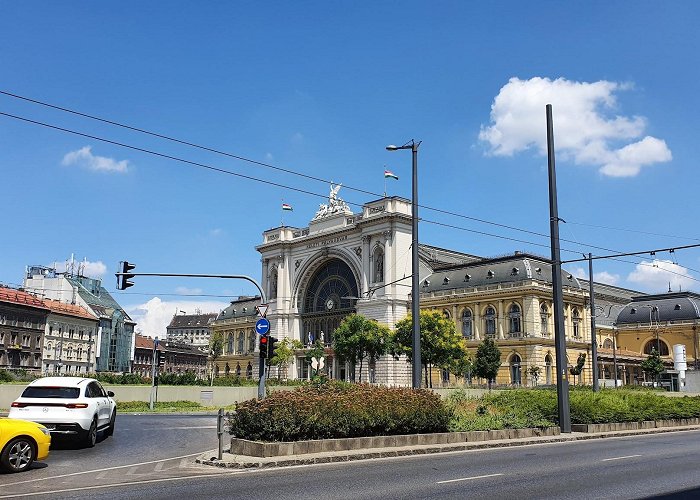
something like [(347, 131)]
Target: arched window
[(446, 314), (514, 317), (607, 344), (227, 370), (515, 371), (490, 321), (229, 344), (575, 319), (548, 369), (238, 369), (657, 344), (249, 371), (378, 265), (251, 342), (273, 283), (467, 324), (544, 319), (241, 339)]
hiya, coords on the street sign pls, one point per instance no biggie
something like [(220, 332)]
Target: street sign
[(262, 326), (262, 310)]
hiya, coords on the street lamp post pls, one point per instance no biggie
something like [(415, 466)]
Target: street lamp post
[(415, 308)]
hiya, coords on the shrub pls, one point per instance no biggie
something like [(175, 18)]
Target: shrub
[(339, 410)]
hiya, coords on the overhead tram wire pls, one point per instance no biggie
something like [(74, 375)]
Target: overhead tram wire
[(303, 191), (274, 167)]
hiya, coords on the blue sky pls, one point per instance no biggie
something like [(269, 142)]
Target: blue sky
[(321, 88)]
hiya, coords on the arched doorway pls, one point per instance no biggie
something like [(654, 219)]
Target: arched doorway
[(515, 371), (329, 297)]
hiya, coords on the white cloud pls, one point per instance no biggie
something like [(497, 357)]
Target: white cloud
[(579, 272), (216, 232), (606, 277), (297, 138), (269, 157), (183, 290), (87, 268), (655, 276), (153, 317), (84, 158), (586, 128)]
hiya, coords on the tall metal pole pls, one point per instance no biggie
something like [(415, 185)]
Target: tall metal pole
[(559, 334), (594, 336), (415, 279)]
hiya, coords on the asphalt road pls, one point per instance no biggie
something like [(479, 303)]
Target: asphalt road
[(142, 447), (646, 466)]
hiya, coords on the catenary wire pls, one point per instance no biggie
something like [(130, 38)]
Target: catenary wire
[(283, 186)]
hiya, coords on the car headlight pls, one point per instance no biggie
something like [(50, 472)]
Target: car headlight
[(45, 431)]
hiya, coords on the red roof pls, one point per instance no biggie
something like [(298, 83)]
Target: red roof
[(144, 342), (19, 297), (68, 309)]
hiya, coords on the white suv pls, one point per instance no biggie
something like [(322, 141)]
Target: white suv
[(72, 406)]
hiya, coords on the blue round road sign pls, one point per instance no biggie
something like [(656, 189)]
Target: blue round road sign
[(262, 326)]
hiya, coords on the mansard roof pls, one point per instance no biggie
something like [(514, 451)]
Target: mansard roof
[(661, 308), (192, 320), (498, 270), (243, 307)]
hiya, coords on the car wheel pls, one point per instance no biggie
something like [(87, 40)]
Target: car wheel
[(112, 421), (91, 436), (18, 455)]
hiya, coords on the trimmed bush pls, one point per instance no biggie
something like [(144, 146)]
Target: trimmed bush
[(339, 410)]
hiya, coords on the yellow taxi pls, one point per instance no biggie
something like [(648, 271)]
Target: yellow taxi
[(21, 443)]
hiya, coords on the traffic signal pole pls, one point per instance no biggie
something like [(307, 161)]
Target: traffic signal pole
[(153, 372)]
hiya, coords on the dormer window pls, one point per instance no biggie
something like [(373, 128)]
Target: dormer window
[(677, 307), (426, 283), (467, 277), (245, 309), (633, 311), (490, 274), (233, 311), (446, 280), (538, 270), (514, 271)]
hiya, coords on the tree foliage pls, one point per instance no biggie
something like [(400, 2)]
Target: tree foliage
[(440, 344), (488, 360), (216, 345), (653, 365), (357, 338), (284, 354)]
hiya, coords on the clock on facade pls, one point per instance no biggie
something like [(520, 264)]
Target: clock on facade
[(329, 304)]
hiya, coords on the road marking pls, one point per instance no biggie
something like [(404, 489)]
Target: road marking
[(467, 478), (116, 485), (186, 428), (105, 469), (620, 458)]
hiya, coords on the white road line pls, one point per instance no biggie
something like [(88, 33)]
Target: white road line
[(619, 458), (117, 485), (465, 478), (105, 469)]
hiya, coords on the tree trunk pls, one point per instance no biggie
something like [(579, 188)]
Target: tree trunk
[(360, 376)]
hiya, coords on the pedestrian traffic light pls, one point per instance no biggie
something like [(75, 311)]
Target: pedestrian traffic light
[(161, 359), (263, 346), (125, 275), (271, 341)]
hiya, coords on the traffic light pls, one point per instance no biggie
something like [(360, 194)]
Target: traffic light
[(271, 347), (125, 275), (263, 346), (161, 359)]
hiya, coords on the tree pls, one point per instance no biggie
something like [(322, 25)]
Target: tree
[(357, 338), (576, 370), (284, 353), (653, 365), (488, 360), (216, 348), (440, 344), (464, 365)]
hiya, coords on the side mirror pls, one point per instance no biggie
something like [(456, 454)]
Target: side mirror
[(110, 394)]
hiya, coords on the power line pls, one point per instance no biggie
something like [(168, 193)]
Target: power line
[(311, 193)]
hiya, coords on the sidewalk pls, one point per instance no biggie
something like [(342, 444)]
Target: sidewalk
[(245, 462)]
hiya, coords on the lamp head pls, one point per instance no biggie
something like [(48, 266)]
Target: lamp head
[(391, 147)]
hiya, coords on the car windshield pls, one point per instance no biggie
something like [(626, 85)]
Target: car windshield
[(51, 392)]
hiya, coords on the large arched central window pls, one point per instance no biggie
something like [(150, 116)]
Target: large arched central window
[(330, 296)]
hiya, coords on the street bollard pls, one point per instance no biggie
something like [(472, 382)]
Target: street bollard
[(220, 432)]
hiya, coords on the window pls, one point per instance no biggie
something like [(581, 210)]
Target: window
[(575, 319), (660, 346), (515, 371), (229, 344), (241, 339), (490, 320), (514, 318), (273, 283), (251, 342), (607, 344), (548, 369), (467, 324), (544, 319)]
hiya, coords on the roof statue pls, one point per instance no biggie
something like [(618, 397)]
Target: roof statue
[(336, 205)]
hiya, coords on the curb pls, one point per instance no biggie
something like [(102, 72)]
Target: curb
[(230, 461)]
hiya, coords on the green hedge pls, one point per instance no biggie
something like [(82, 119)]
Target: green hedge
[(538, 408), (339, 410)]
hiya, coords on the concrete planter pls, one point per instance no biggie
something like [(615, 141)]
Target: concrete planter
[(266, 450), (632, 426)]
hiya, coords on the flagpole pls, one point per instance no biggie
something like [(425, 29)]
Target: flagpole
[(384, 180), (282, 214)]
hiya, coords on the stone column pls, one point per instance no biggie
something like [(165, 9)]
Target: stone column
[(366, 263), (476, 321), (458, 326), (499, 325)]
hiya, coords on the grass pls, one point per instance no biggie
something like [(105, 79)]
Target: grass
[(164, 407)]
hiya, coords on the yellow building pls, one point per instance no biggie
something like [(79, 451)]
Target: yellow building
[(236, 323)]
